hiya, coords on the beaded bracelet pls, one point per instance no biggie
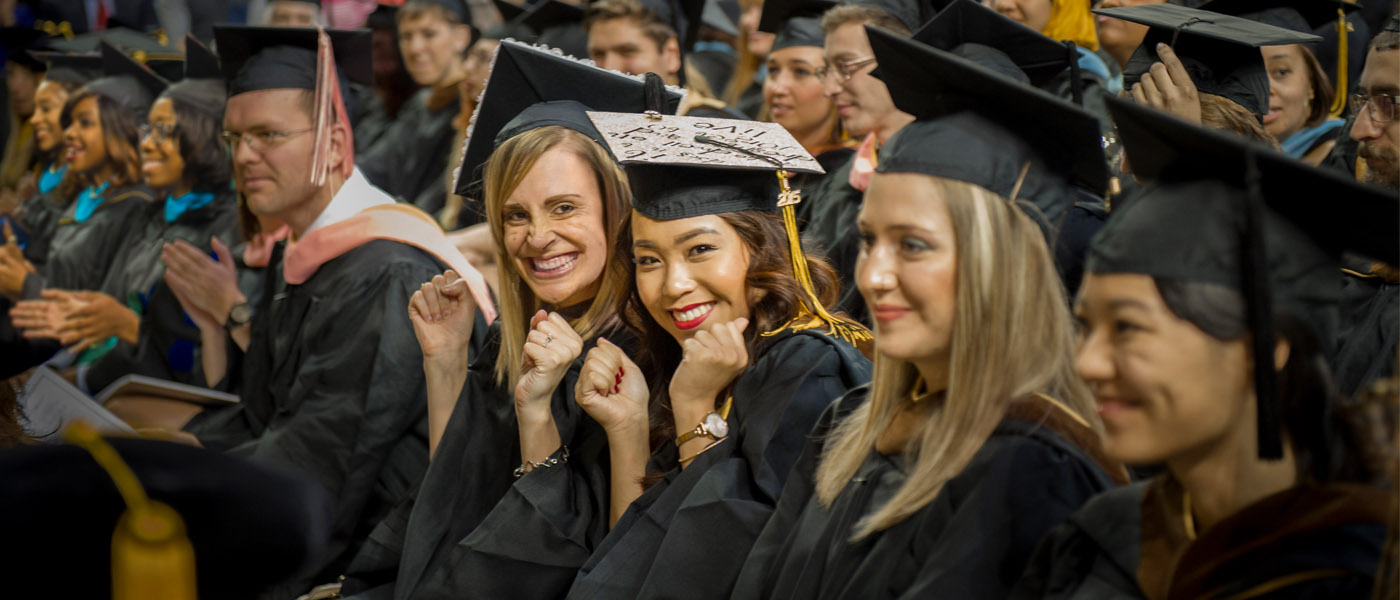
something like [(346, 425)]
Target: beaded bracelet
[(563, 457)]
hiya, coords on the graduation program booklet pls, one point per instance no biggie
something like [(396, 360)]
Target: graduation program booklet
[(50, 403), (140, 385)]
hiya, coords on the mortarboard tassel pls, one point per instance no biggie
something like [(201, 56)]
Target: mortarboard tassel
[(1261, 318), (328, 105), (806, 319), (1339, 100), (1076, 86), (151, 555)]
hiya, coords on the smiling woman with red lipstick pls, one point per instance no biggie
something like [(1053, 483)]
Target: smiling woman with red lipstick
[(740, 354)]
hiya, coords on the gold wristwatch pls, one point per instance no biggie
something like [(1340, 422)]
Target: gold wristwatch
[(714, 426)]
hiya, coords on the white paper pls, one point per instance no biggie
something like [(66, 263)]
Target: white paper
[(50, 403)]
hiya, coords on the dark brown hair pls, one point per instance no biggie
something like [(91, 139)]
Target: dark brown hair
[(1321, 85), (775, 297), (121, 133)]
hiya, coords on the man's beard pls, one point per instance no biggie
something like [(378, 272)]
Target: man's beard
[(1386, 173)]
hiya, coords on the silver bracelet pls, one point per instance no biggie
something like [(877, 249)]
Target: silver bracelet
[(563, 457)]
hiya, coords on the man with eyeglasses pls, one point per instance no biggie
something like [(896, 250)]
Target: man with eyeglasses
[(863, 103), (331, 382), (1371, 289)]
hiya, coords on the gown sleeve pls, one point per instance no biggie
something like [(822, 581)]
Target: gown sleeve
[(687, 536)]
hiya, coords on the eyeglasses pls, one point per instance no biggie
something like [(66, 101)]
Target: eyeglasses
[(1382, 106), (846, 70), (161, 131), (259, 141)]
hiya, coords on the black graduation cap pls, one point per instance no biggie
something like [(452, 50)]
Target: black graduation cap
[(523, 76), (558, 25), (714, 15), (1224, 210), (986, 123), (129, 40), (796, 22), (383, 17), (510, 10), (265, 58), (170, 69), (1220, 52), (18, 41), (509, 30), (203, 86), (128, 82), (968, 22), (200, 61), (70, 68), (69, 520)]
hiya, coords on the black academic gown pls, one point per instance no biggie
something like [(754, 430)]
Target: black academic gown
[(1308, 542), (411, 156), (332, 384), (687, 535), (39, 216), (82, 253), (827, 217), (473, 530), (971, 541), (1366, 350), (168, 338), (79, 256)]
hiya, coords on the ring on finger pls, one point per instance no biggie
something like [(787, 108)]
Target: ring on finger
[(548, 337)]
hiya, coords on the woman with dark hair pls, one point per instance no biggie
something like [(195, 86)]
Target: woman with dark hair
[(556, 204), (1206, 314), (101, 133), (184, 160), (740, 355)]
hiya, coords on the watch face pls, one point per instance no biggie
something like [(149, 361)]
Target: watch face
[(241, 313), (717, 426)]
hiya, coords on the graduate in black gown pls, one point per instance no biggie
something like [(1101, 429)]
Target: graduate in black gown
[(101, 135), (793, 94), (184, 161), (32, 224), (741, 354), (410, 159), (827, 214), (975, 436), (556, 203), (1208, 309), (331, 382)]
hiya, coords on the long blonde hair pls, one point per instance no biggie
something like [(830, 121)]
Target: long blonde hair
[(1011, 339), (505, 170)]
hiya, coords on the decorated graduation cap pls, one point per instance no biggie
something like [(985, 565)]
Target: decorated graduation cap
[(968, 22), (202, 88), (1220, 52), (133, 518), (979, 121), (683, 167), (127, 82), (75, 69), (1305, 16), (1222, 210), (319, 60), (796, 22), (524, 76), (17, 42)]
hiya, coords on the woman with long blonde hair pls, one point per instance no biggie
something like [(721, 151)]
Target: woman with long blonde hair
[(503, 421), (974, 436)]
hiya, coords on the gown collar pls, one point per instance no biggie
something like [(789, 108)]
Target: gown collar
[(88, 201)]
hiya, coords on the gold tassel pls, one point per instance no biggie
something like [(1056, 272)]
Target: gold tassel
[(151, 555), (806, 318), (1339, 101)]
